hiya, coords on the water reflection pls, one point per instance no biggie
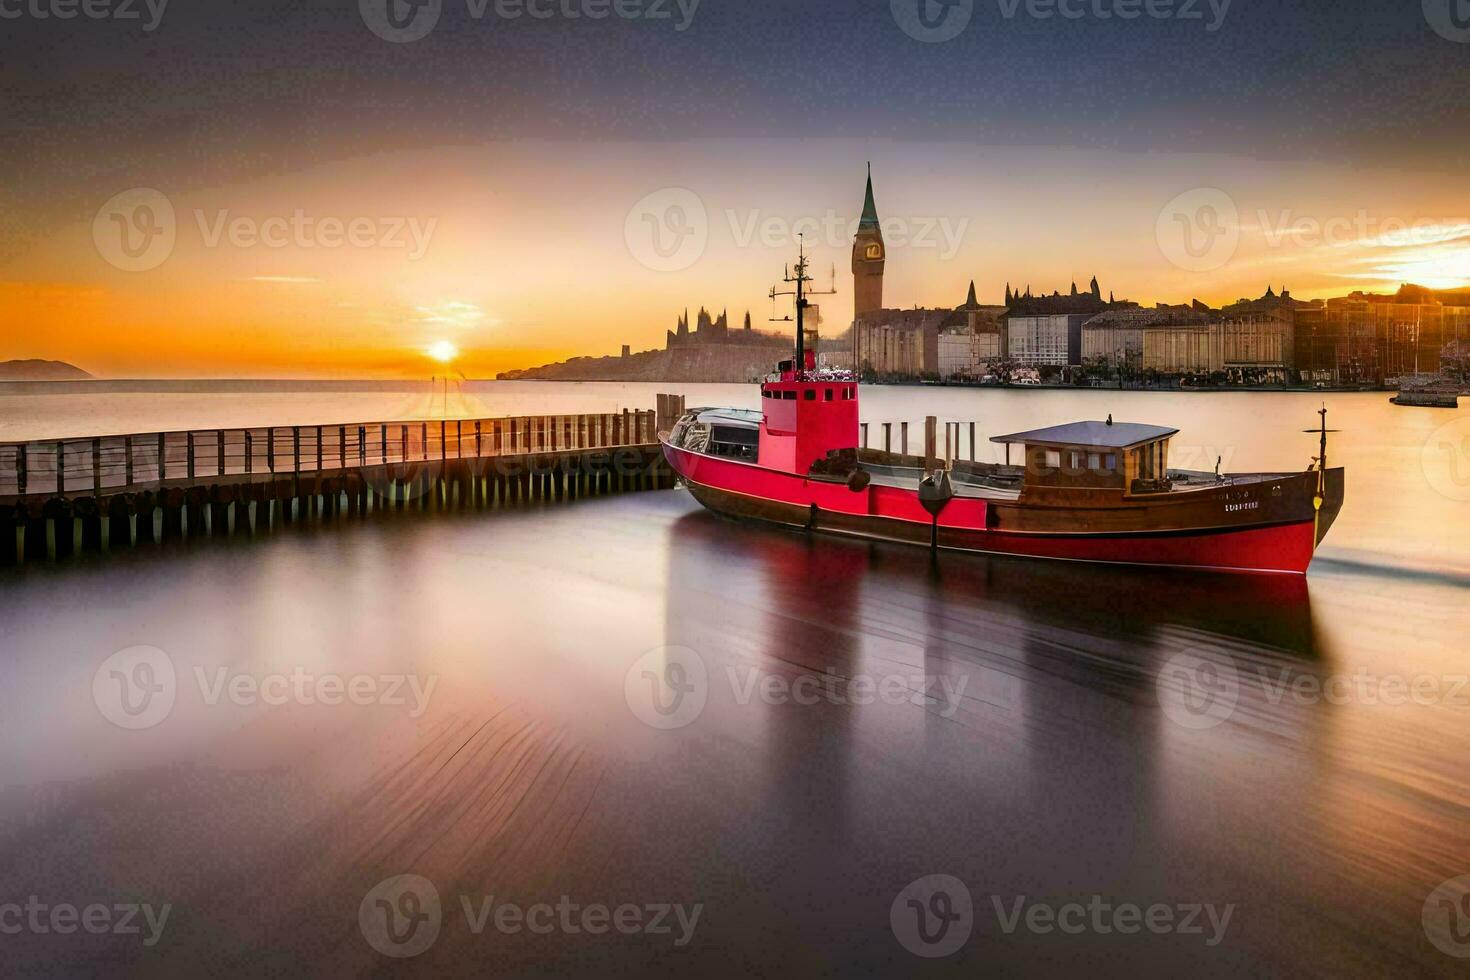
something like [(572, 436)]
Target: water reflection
[(1047, 730)]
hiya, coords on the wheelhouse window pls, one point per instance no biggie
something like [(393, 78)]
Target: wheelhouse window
[(1054, 458)]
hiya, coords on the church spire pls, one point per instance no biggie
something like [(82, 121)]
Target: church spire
[(870, 209), (970, 300)]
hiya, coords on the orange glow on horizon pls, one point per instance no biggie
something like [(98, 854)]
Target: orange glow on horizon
[(514, 255)]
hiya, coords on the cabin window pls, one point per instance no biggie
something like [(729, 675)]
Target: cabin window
[(829, 394), (1054, 458), (1110, 463), (1094, 461), (1076, 460), (789, 396), (811, 395)]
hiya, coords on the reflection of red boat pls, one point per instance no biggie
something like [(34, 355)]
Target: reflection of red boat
[(1089, 491)]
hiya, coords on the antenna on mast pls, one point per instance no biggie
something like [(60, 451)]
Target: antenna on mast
[(801, 292)]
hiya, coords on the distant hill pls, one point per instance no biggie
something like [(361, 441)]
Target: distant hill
[(41, 371)]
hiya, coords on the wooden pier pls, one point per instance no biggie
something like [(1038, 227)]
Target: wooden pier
[(65, 496)]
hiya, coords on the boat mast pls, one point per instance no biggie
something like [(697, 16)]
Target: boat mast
[(801, 292)]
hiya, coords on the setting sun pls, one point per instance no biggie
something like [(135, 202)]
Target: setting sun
[(442, 351)]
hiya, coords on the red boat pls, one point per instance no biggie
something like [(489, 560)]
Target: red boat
[(1088, 491)]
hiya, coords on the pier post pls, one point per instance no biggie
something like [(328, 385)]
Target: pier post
[(903, 438), (972, 442), (931, 431), (888, 437)]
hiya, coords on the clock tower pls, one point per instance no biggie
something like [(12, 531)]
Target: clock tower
[(868, 256)]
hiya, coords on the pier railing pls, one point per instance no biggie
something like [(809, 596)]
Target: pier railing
[(123, 463)]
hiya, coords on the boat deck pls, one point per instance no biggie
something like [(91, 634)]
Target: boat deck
[(994, 481)]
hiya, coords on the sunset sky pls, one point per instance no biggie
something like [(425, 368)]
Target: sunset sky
[(342, 204)]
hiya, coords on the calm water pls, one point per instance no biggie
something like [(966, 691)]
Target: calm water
[(1292, 751)]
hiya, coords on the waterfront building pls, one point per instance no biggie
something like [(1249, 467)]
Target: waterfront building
[(1046, 331), (1113, 340)]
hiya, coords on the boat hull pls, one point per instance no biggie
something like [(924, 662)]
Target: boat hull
[(1285, 544)]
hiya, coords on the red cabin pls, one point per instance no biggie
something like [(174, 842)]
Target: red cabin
[(806, 417)]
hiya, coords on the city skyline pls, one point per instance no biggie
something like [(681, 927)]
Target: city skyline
[(481, 225)]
